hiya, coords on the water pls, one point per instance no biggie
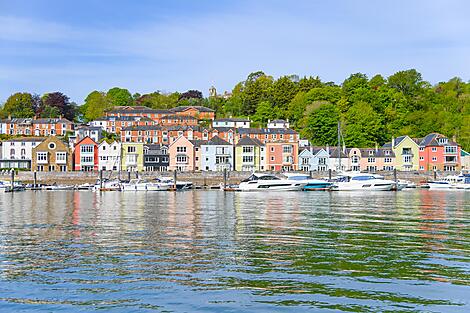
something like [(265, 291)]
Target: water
[(209, 251)]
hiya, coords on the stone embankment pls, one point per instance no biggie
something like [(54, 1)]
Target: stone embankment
[(198, 178)]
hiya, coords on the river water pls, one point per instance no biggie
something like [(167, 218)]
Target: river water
[(210, 251)]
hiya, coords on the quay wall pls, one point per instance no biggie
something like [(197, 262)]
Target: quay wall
[(198, 178)]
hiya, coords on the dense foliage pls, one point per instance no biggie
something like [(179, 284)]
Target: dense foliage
[(371, 111)]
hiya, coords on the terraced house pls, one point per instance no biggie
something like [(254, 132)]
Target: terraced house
[(438, 153), (313, 159), (86, 155), (109, 154), (156, 157), (250, 155), (182, 155), (216, 155), (17, 153), (36, 126), (132, 156), (406, 152), (52, 155)]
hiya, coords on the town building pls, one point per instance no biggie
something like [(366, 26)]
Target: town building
[(174, 119), (250, 155), (464, 160), (17, 152), (338, 160), (36, 126), (137, 111), (269, 134), (438, 153), (182, 155), (406, 152), (216, 155), (52, 155), (132, 156), (94, 132), (278, 124), (86, 155), (282, 156), (231, 122), (109, 154), (313, 159), (199, 112), (156, 157), (114, 124)]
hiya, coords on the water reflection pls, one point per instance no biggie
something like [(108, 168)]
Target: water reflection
[(215, 251)]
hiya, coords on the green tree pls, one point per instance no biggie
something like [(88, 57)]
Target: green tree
[(265, 112), (408, 82), (119, 97), (282, 91), (20, 104), (96, 103), (363, 126), (321, 128)]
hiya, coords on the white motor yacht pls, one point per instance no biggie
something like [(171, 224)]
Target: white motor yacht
[(180, 185), (310, 183), (107, 185), (268, 182), (362, 181), (142, 185)]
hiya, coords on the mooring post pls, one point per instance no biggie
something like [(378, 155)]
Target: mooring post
[(175, 176), (225, 178), (395, 175), (128, 175), (329, 174), (35, 179), (310, 174), (136, 174), (101, 179), (12, 180), (435, 174)]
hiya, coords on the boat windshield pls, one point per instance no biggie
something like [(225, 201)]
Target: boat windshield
[(363, 177), (268, 177), (298, 177)]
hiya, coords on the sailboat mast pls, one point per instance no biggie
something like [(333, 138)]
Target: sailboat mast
[(339, 145)]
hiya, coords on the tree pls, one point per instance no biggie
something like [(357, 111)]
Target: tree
[(57, 104), (119, 97), (255, 91), (95, 105), (282, 91), (408, 82), (190, 94), (322, 126), (265, 112), (363, 126), (20, 104)]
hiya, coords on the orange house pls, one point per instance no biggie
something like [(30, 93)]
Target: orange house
[(86, 155), (282, 156), (199, 112)]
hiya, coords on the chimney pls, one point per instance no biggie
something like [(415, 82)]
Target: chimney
[(9, 116), (454, 138), (376, 147), (393, 142), (328, 150)]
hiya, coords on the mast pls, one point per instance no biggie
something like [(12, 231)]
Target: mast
[(339, 145)]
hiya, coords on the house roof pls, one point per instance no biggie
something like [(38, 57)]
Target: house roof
[(231, 119), (217, 141), (197, 107), (248, 141), (37, 120), (198, 143), (125, 118), (137, 109), (278, 121), (242, 131), (85, 138), (334, 153), (142, 127), (224, 129), (179, 117), (464, 153), (378, 153), (433, 140), (26, 139)]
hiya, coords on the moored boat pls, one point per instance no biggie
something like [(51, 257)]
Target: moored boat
[(360, 181), (269, 182), (310, 183)]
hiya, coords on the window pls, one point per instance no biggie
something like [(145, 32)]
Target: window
[(104, 148), (12, 153), (181, 159), (23, 143), (60, 157), (287, 149), (86, 149), (371, 160), (181, 149), (272, 158), (86, 159), (421, 168), (247, 159), (272, 149), (421, 158), (433, 149), (247, 149), (387, 152), (42, 156), (434, 159), (371, 152), (63, 168), (281, 136), (51, 168), (450, 149), (421, 148), (388, 160), (131, 149)]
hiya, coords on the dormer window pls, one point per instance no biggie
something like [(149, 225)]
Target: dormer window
[(371, 152), (387, 152), (443, 141)]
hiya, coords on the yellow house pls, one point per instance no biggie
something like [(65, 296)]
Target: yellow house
[(250, 155), (406, 153), (132, 156)]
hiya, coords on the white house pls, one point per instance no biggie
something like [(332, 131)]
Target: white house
[(216, 155), (109, 156), (17, 153), (278, 124), (314, 159), (94, 132), (231, 122), (336, 159)]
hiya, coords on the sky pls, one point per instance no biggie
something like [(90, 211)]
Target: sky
[(76, 47)]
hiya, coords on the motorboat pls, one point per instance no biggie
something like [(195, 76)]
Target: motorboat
[(360, 181), (54, 187), (180, 185), (111, 185), (17, 186), (268, 182), (310, 183), (439, 184), (143, 185), (408, 184)]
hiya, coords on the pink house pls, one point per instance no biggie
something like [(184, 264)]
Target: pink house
[(282, 156), (371, 159), (438, 153), (182, 156)]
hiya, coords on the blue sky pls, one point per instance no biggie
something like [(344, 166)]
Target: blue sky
[(78, 46)]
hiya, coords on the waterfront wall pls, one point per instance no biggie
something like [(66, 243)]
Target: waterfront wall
[(198, 178)]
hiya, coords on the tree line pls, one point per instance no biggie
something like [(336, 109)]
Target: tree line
[(371, 110)]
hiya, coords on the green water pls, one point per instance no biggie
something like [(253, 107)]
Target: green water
[(210, 251)]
